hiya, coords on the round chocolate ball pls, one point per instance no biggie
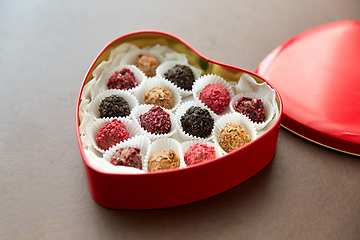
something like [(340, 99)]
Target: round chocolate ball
[(197, 122), (114, 106), (181, 75)]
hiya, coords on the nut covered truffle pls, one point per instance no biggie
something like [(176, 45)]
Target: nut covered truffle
[(215, 97), (252, 108), (156, 121), (232, 136), (197, 122), (163, 160), (111, 133), (159, 96), (114, 106), (128, 157), (123, 80), (181, 75), (198, 153), (147, 63)]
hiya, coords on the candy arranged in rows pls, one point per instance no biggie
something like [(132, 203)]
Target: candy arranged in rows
[(227, 133), (211, 90), (144, 100)]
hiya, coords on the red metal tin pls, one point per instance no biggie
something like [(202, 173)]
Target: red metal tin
[(317, 73), (176, 187)]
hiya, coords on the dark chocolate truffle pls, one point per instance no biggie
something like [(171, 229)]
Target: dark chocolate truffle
[(232, 136), (147, 63), (159, 96), (129, 157), (123, 79), (252, 108), (162, 160), (197, 122), (111, 133), (114, 106), (215, 97), (181, 75), (156, 121)]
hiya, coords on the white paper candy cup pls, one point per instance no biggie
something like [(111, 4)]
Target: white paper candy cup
[(185, 146), (164, 144), (203, 81), (100, 164), (141, 142), (164, 68), (128, 97), (233, 117), (269, 108), (181, 111), (140, 109), (94, 128), (106, 75), (130, 57), (158, 82)]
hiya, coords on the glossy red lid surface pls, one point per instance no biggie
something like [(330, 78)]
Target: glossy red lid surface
[(317, 74)]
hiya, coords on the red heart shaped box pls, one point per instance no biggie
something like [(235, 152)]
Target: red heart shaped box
[(176, 187)]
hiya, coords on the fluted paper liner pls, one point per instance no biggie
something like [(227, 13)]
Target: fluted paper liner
[(140, 109), (130, 57), (106, 75), (185, 146), (158, 82), (181, 111), (141, 142), (164, 144), (94, 128), (205, 80), (166, 66), (233, 117), (128, 97), (268, 107)]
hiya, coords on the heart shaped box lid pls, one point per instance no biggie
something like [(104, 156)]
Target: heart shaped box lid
[(318, 76)]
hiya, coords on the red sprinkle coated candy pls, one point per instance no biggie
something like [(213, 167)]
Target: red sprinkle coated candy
[(123, 80), (111, 133), (215, 97), (156, 121), (252, 108), (128, 157), (198, 153)]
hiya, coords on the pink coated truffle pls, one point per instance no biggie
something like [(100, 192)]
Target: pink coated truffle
[(216, 97), (111, 133), (198, 153)]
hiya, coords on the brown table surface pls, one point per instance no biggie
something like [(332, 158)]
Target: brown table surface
[(46, 47)]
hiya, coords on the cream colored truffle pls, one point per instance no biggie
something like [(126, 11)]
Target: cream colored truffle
[(232, 136), (147, 63), (159, 96), (162, 160)]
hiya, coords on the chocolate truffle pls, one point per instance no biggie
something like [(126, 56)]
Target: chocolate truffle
[(114, 106), (159, 96), (252, 108), (111, 133), (232, 136), (123, 79), (215, 97), (198, 153), (181, 75), (147, 63), (156, 121), (197, 121), (162, 160), (129, 157)]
